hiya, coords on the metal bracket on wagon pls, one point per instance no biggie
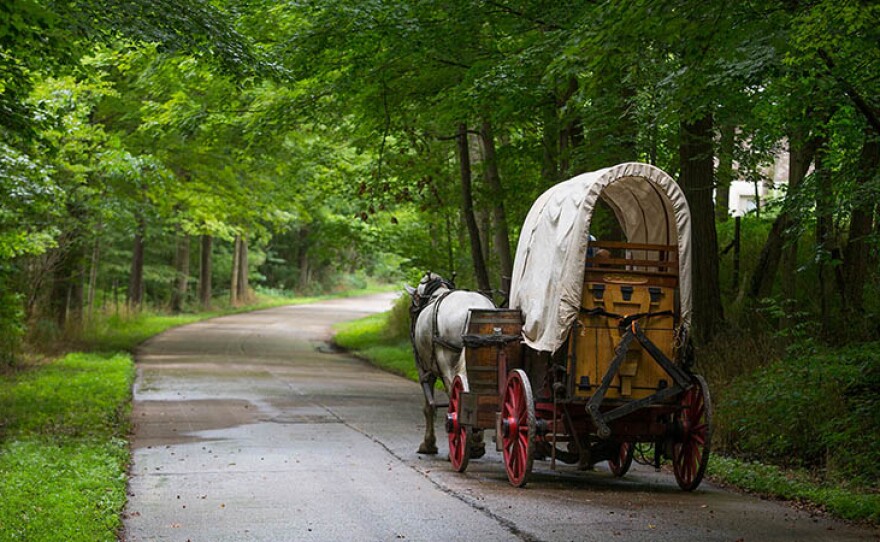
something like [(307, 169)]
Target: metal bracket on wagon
[(681, 381)]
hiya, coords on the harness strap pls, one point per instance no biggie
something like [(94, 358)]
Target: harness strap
[(436, 338)]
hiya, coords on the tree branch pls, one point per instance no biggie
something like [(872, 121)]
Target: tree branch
[(863, 106), (449, 62), (510, 11)]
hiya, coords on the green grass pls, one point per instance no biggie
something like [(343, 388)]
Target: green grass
[(795, 485), (368, 338), (63, 454)]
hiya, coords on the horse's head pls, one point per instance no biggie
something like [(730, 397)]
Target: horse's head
[(430, 285)]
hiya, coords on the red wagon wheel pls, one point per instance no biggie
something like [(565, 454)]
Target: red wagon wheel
[(621, 462), (690, 453), (459, 436), (518, 427)]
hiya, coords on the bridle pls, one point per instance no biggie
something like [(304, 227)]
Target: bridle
[(421, 300)]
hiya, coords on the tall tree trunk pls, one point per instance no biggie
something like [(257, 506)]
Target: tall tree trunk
[(243, 285), (825, 238), (496, 191), (93, 274), (205, 290), (66, 280), (855, 257), (136, 276), (567, 128), (761, 283), (484, 225), (725, 172), (800, 157), (467, 209), (697, 181), (780, 246), (236, 262), (76, 303), (58, 295), (305, 271), (181, 279)]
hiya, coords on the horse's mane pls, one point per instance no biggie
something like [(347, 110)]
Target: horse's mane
[(429, 285), (434, 283)]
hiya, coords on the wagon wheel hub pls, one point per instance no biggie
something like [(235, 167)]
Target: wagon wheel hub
[(452, 424), (509, 426)]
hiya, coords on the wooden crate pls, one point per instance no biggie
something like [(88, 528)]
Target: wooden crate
[(488, 359)]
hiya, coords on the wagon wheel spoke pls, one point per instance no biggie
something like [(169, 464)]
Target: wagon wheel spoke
[(518, 417), (690, 454), (459, 435)]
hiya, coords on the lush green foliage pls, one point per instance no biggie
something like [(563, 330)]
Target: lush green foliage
[(63, 454), (154, 123), (817, 410)]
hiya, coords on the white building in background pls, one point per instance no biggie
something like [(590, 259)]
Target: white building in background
[(744, 196)]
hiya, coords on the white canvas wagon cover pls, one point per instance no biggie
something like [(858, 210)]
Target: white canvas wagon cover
[(548, 271)]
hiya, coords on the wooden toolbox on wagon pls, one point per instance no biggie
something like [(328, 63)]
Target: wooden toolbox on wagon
[(625, 286)]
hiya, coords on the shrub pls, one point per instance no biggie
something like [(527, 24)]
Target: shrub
[(820, 411), (398, 324)]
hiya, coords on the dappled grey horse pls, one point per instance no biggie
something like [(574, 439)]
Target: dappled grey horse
[(439, 316)]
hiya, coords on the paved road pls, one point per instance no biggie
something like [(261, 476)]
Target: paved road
[(249, 427)]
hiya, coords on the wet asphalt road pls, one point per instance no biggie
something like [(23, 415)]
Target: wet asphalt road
[(249, 427)]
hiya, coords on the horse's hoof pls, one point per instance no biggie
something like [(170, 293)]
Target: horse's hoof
[(427, 450), (478, 452)]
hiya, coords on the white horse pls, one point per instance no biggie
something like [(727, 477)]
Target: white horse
[(439, 316)]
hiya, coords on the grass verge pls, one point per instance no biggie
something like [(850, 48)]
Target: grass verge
[(793, 485), (122, 332), (64, 451), (368, 338)]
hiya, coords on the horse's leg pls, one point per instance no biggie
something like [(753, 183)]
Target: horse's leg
[(478, 445), (429, 445)]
